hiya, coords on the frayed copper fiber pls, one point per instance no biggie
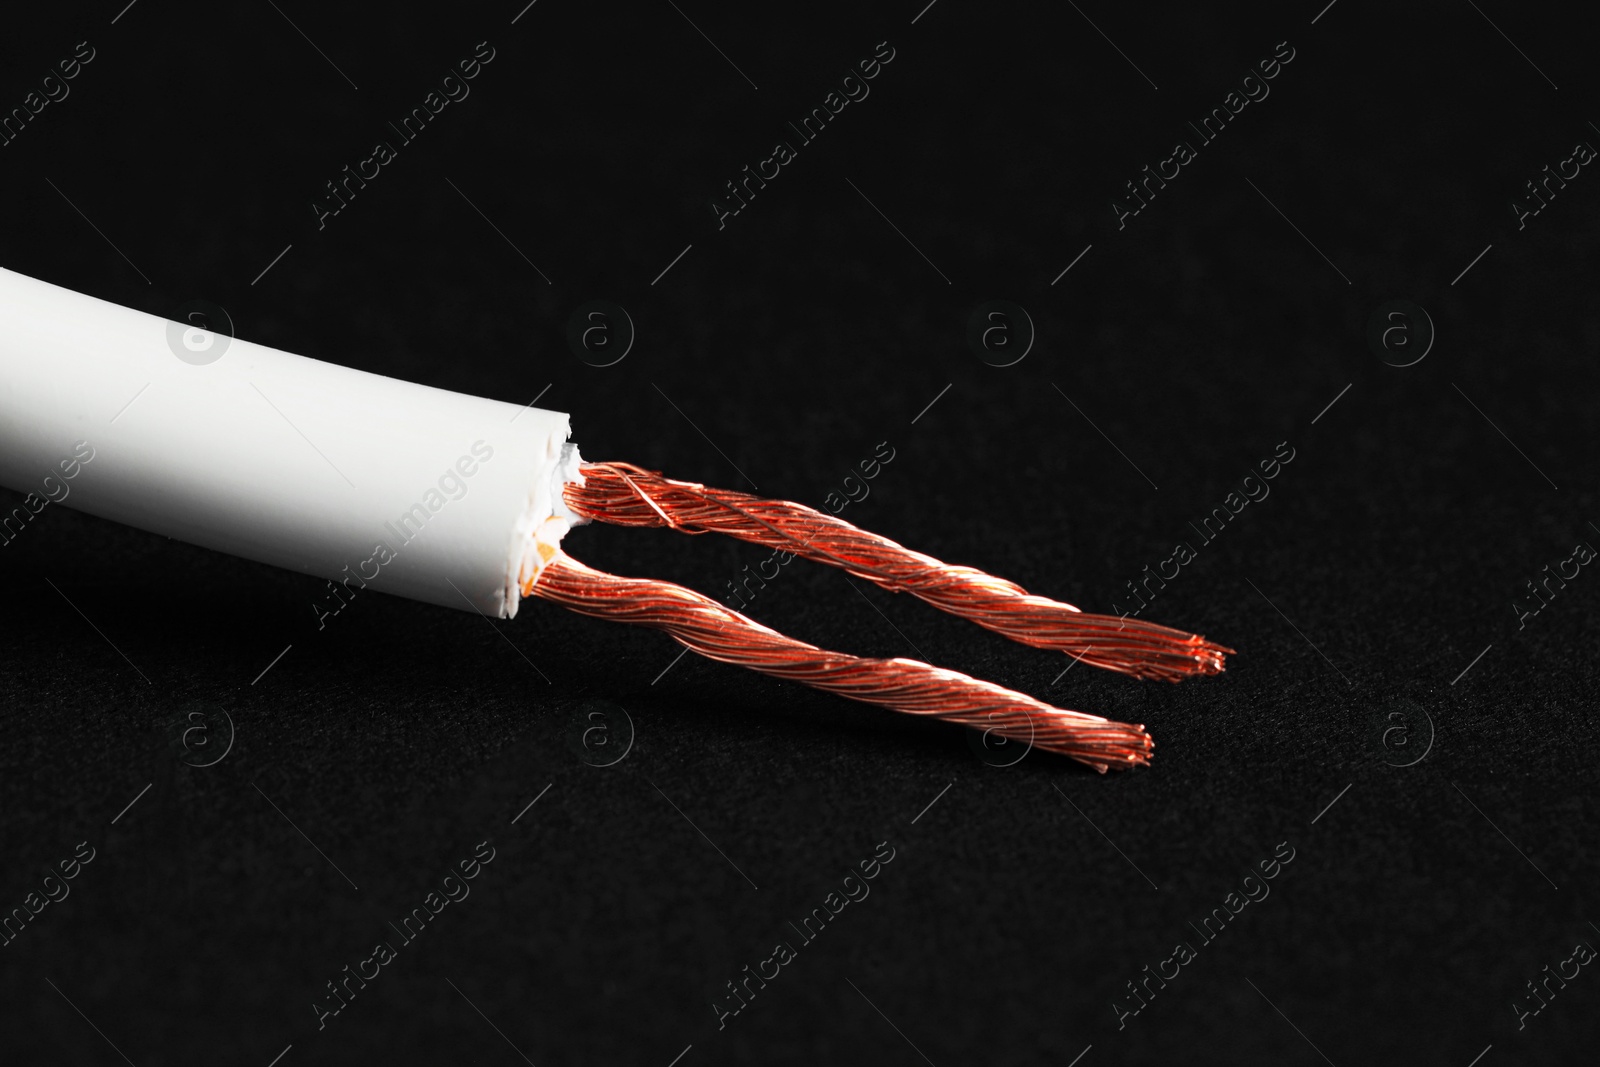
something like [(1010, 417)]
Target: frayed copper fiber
[(626, 495), (707, 627)]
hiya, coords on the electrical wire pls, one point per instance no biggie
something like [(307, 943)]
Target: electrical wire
[(202, 458)]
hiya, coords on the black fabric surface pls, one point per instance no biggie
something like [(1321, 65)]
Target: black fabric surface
[(1371, 597)]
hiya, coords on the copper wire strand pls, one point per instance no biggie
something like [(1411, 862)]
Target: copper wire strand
[(626, 495), (704, 626)]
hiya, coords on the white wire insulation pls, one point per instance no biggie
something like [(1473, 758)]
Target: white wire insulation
[(437, 496)]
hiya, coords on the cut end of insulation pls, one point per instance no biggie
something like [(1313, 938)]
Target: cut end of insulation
[(539, 532)]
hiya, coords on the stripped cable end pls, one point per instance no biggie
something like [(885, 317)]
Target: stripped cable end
[(627, 495)]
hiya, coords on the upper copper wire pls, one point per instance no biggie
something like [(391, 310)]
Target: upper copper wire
[(627, 495), (720, 633)]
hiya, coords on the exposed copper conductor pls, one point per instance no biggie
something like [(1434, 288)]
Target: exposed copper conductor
[(707, 627), (627, 495)]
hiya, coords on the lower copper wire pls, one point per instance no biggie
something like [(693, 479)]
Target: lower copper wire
[(627, 495), (705, 626)]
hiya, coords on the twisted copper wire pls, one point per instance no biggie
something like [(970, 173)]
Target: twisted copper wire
[(705, 626), (627, 495)]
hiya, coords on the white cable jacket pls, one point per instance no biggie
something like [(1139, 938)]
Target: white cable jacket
[(402, 488)]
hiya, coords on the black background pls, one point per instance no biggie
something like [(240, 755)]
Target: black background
[(797, 338)]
